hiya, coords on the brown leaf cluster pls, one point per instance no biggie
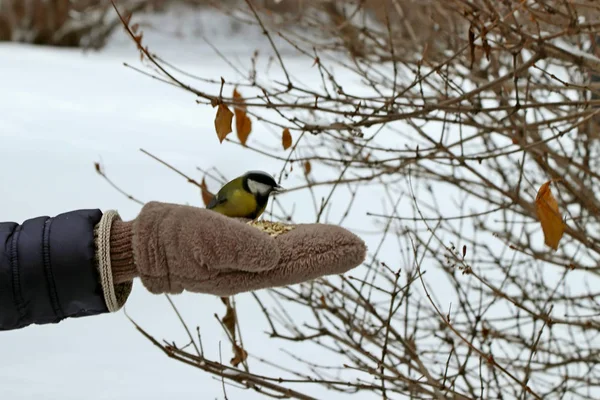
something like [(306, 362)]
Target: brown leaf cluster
[(224, 119)]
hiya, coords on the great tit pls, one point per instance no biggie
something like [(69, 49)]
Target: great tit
[(246, 196)]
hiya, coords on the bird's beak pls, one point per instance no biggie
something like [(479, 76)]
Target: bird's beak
[(278, 189)]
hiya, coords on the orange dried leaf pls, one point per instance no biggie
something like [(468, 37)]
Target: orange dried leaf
[(229, 320), (323, 303), (549, 216), (307, 167), (286, 139), (237, 97), (206, 194), (243, 124), (240, 355), (223, 122)]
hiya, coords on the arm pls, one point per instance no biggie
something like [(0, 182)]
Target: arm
[(48, 270), (84, 262)]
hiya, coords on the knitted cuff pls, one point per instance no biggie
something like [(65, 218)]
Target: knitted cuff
[(121, 252), (115, 293)]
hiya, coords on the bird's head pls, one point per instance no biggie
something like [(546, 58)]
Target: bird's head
[(261, 184)]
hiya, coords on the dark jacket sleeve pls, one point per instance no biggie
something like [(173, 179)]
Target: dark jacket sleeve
[(48, 270)]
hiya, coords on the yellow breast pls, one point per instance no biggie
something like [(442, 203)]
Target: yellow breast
[(239, 204)]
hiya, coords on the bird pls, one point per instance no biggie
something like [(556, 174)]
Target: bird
[(245, 196)]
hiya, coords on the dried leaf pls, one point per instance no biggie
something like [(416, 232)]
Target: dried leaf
[(138, 40), (229, 320), (135, 27), (206, 194), (223, 122), (243, 124), (549, 216), (240, 355), (286, 139), (98, 167), (239, 103), (472, 45), (307, 167), (486, 45)]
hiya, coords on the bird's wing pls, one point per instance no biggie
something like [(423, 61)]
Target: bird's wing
[(215, 201)]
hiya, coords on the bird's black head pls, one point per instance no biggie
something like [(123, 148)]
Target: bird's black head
[(260, 183)]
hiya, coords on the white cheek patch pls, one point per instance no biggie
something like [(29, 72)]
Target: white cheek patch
[(259, 188)]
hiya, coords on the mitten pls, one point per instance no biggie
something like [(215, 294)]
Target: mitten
[(173, 248)]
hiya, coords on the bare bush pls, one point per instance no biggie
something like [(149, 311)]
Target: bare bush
[(465, 109), (64, 23)]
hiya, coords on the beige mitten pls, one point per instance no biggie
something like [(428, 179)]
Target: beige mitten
[(172, 248)]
